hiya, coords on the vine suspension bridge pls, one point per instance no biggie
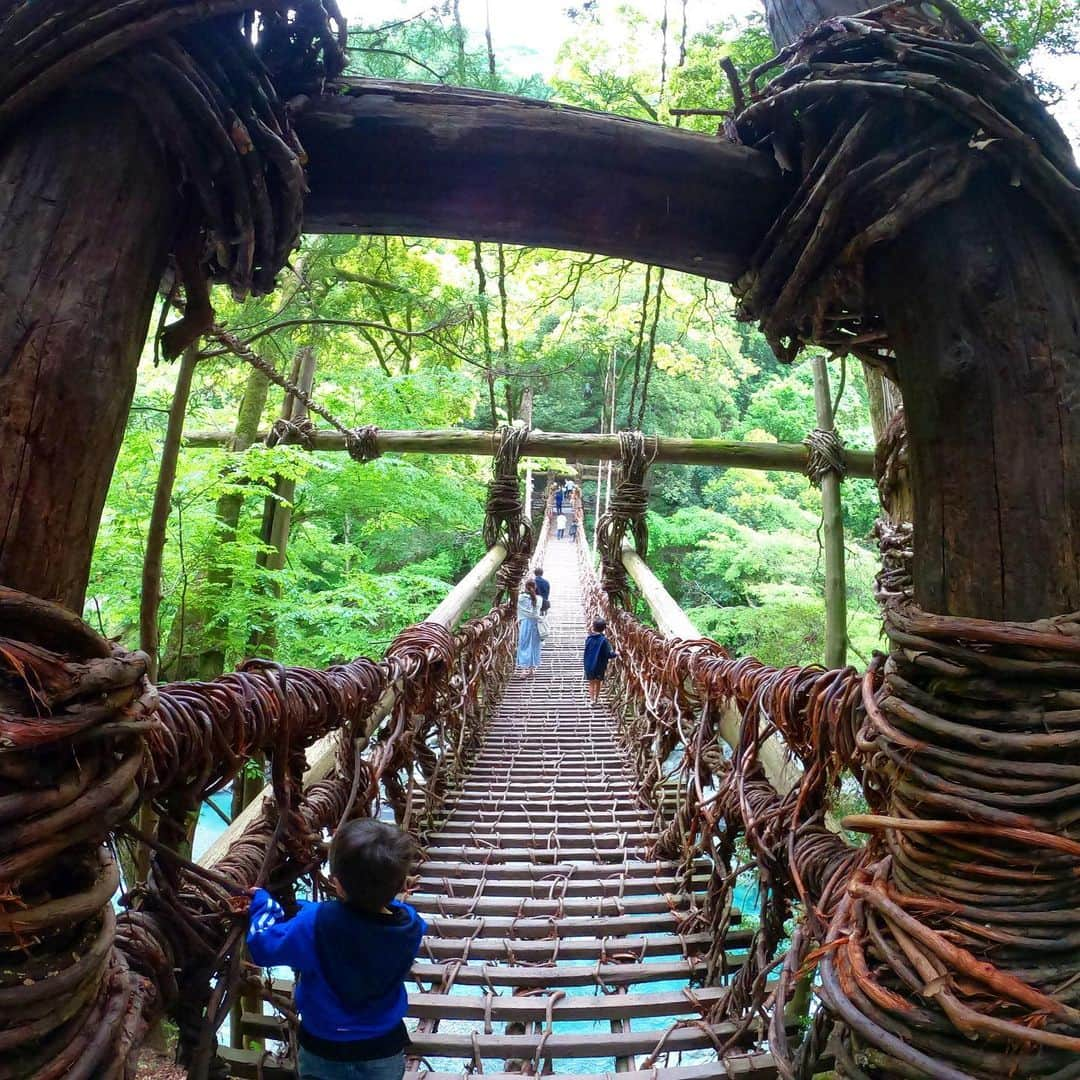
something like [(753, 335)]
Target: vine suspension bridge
[(887, 186)]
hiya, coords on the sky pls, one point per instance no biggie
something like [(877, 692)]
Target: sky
[(527, 34)]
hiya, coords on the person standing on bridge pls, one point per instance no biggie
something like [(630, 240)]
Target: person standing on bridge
[(529, 615), (558, 500), (560, 526), (598, 652), (543, 589), (352, 956)]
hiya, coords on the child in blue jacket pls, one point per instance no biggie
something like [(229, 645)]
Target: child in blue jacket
[(598, 652), (351, 956)]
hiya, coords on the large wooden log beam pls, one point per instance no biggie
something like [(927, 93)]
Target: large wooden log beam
[(784, 457), (417, 160)]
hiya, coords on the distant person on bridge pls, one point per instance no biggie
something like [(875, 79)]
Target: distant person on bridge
[(543, 589), (560, 526), (528, 653), (558, 500), (598, 652), (351, 955)]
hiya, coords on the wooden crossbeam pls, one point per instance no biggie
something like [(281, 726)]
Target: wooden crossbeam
[(408, 159), (782, 457)]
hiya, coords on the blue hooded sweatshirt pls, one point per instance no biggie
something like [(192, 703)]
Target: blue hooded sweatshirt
[(598, 652), (351, 966)]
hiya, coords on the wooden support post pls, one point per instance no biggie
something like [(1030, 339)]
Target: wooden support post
[(150, 597), (87, 211), (832, 528), (286, 488), (527, 416), (784, 457), (322, 755)]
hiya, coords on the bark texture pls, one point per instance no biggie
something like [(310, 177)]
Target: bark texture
[(86, 212), (988, 353), (400, 158)]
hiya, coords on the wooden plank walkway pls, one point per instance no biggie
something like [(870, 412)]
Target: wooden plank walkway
[(556, 944)]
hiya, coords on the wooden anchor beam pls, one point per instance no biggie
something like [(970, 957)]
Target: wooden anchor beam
[(409, 159), (784, 457)]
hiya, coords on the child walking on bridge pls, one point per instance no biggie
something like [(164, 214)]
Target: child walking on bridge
[(351, 956), (598, 652)]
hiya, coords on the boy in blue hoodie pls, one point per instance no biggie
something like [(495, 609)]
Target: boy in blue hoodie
[(598, 652), (351, 956)]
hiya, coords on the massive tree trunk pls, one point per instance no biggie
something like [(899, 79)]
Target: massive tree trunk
[(86, 211), (983, 310), (988, 354)]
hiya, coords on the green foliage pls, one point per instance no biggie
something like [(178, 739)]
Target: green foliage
[(406, 337)]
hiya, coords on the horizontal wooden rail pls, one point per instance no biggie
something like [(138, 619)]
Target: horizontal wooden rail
[(321, 755), (783, 457)]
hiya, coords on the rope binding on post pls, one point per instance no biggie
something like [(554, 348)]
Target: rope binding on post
[(826, 455), (504, 520), (212, 79), (881, 118), (627, 510)]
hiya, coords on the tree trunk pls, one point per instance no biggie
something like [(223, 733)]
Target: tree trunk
[(983, 309), (86, 216), (988, 353), (277, 513)]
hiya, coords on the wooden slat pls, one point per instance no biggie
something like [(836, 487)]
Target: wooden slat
[(507, 1008), (538, 856), (530, 871), (739, 1067), (439, 904), (551, 887), (248, 1063), (594, 1044), (567, 927), (575, 948)]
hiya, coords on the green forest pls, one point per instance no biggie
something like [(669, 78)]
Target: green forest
[(414, 333)]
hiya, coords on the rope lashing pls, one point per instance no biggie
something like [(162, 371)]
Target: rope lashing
[(361, 445), (211, 78), (299, 431), (826, 455), (360, 442), (627, 510), (948, 945), (504, 518), (83, 737), (883, 117), (74, 711)]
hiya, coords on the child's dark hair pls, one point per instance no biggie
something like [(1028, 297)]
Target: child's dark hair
[(370, 860), (599, 626)]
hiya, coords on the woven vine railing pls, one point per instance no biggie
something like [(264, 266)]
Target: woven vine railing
[(948, 945), (86, 738)]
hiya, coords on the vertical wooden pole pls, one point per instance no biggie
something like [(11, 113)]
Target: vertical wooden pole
[(150, 597), (832, 518), (527, 416)]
